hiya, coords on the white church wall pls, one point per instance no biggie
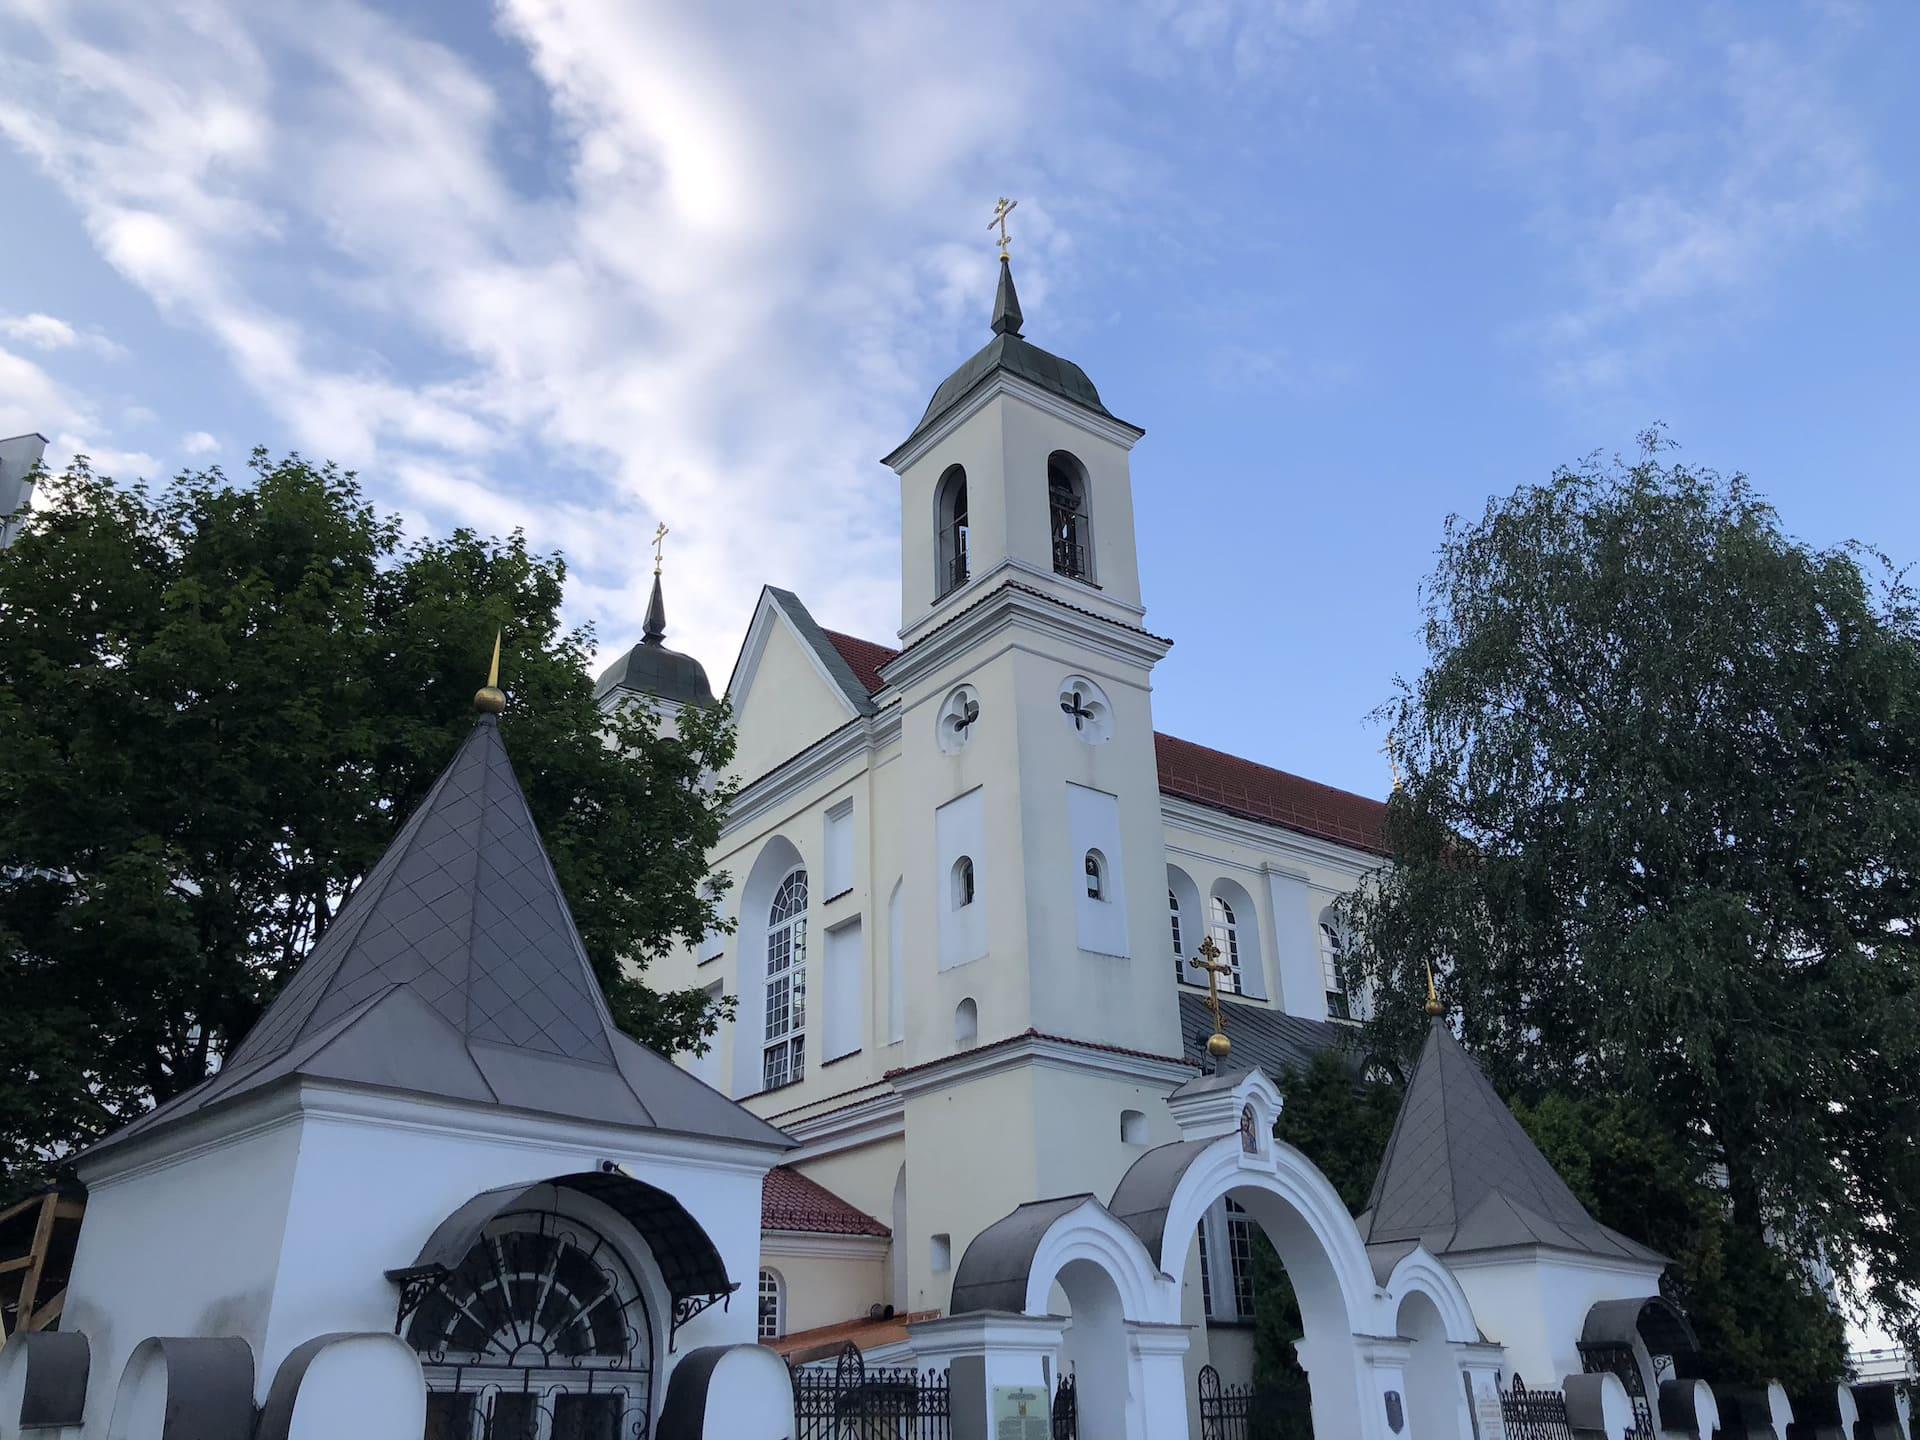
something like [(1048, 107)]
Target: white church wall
[(976, 448), (960, 836), (837, 866), (1093, 822), (1535, 1303), (188, 1249), (830, 1279), (789, 703), (843, 1018), (1029, 435)]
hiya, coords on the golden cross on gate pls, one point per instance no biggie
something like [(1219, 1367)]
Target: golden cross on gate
[(1209, 960), (1002, 208), (659, 542)]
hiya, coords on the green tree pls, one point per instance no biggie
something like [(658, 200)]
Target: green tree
[(1755, 1316), (1660, 831), (217, 702)]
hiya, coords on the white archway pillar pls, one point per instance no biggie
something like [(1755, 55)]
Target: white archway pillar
[(1157, 1369), (1382, 1373), (985, 1351)]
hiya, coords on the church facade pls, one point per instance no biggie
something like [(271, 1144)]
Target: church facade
[(970, 876)]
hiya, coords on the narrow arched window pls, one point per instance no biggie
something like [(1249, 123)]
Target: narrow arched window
[(1096, 868), (962, 883), (1226, 935), (783, 1060), (773, 1306), (950, 524), (966, 1024), (1333, 959), (1072, 530), (1173, 924)]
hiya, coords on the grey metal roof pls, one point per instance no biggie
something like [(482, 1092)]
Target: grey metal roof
[(1461, 1175), (1272, 1039), (455, 971), (992, 1275), (652, 669), (1145, 1193), (1012, 353)]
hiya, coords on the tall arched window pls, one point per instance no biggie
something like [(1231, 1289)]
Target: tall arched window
[(1096, 871), (1333, 955), (950, 523), (1226, 934), (783, 1062), (773, 1306), (542, 1324), (962, 882), (1071, 528), (1179, 944)]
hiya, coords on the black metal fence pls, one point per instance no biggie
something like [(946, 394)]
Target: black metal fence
[(1245, 1412), (1066, 1411), (851, 1402), (1534, 1414)]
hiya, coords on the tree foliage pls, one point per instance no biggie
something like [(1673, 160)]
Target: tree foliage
[(217, 703), (1660, 832)]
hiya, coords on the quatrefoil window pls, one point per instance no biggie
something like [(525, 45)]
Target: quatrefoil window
[(958, 716), (1087, 710)]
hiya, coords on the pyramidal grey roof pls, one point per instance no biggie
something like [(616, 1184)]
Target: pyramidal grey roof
[(455, 971), (1461, 1175)]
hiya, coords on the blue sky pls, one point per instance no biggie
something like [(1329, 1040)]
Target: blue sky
[(582, 266)]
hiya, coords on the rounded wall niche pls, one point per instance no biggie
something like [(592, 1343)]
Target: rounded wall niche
[(1087, 711), (958, 715)]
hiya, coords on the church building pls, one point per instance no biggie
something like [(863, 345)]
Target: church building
[(970, 878)]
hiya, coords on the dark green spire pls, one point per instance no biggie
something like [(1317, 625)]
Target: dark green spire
[(656, 625), (1007, 318)]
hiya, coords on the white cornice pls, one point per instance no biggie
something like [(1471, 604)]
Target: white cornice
[(1044, 1051), (878, 1118), (1512, 1255), (1116, 432), (821, 1245), (861, 739), (1011, 606), (1178, 813)]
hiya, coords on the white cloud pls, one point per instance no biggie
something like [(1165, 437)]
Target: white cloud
[(50, 332), (198, 442), (702, 311)]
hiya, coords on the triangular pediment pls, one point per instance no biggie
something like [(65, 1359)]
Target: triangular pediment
[(790, 688)]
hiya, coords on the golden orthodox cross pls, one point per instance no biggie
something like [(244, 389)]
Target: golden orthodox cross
[(659, 542), (1209, 960), (1002, 208)]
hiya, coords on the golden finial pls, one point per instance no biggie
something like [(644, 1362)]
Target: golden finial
[(490, 699), (1433, 996), (1002, 208), (1393, 761), (1218, 1045), (659, 544)]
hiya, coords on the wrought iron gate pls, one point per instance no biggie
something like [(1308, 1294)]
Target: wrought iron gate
[(1066, 1411), (1619, 1360), (1243, 1412), (1534, 1414), (851, 1402)]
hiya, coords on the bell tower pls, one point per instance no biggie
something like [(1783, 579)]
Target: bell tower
[(1034, 862), (1016, 471)]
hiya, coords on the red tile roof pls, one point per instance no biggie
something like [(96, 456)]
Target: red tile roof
[(790, 1201), (1213, 777), (864, 656), (1259, 792)]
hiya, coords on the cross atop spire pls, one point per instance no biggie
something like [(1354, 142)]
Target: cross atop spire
[(1002, 208)]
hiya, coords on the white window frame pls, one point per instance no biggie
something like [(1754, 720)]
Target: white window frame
[(771, 1322), (1226, 935), (783, 1053), (1179, 942)]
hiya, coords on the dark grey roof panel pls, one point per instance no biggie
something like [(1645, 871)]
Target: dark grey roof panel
[(689, 1261), (1272, 1039), (455, 971), (1461, 1174), (1141, 1198), (53, 1387), (1655, 1319), (993, 1274)]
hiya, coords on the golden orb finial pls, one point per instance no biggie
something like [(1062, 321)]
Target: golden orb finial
[(1434, 1006), (1219, 1046), (490, 699)]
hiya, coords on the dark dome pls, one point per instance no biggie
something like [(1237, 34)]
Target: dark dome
[(1013, 353), (655, 670), (652, 669)]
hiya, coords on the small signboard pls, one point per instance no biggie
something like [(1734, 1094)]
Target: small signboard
[(1020, 1412)]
